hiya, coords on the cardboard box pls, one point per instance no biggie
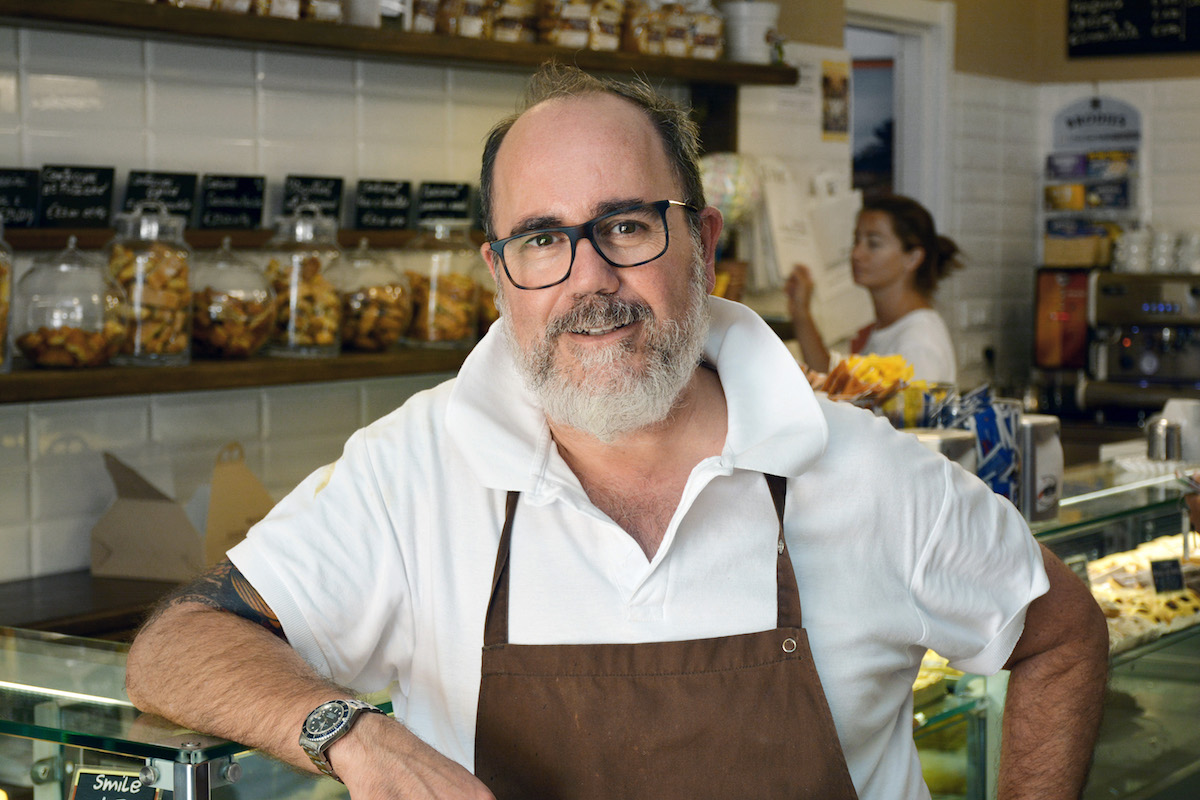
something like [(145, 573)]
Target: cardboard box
[(147, 534)]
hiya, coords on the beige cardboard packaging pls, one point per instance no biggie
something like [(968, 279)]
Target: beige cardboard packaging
[(147, 534)]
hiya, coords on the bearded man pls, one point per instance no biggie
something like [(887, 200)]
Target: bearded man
[(581, 565)]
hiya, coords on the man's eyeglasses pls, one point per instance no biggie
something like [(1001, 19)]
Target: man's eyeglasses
[(628, 237)]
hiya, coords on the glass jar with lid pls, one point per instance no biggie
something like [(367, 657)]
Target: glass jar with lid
[(150, 260), (70, 312), (308, 313), (6, 290), (377, 303), (233, 305), (443, 267)]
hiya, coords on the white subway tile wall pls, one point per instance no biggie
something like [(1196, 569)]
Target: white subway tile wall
[(79, 98)]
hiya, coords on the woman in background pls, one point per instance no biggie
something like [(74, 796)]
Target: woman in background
[(899, 258)]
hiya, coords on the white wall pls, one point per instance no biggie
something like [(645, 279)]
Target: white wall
[(83, 99), (994, 160)]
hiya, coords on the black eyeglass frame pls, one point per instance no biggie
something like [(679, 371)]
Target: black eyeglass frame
[(585, 230)]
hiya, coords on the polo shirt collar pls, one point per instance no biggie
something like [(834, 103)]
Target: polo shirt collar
[(775, 423)]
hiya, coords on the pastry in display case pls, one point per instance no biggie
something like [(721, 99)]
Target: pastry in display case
[(308, 311), (443, 267), (233, 306), (70, 312), (377, 301), (150, 260)]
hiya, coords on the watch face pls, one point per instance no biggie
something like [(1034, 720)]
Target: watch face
[(326, 718)]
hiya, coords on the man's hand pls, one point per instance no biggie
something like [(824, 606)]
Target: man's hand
[(1055, 692), (380, 759)]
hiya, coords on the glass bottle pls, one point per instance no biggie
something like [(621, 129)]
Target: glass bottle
[(69, 311), (308, 313), (233, 305), (377, 303), (442, 265), (6, 292), (150, 260)]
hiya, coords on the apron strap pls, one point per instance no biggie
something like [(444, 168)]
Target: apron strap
[(787, 602), (495, 625)]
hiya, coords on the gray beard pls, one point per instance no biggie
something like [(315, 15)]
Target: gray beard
[(615, 397)]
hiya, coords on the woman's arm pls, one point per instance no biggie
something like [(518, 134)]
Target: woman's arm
[(799, 289)]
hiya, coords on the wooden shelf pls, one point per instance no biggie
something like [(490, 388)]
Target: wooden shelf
[(162, 21), (54, 239), (25, 385)]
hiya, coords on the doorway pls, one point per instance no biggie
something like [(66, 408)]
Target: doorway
[(916, 37), (872, 98)]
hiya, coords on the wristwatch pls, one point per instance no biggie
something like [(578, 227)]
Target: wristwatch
[(326, 724)]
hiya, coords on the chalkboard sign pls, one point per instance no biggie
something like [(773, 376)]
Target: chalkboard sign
[(382, 205), (1132, 27), (76, 197), (19, 198), (231, 201), (1167, 575), (324, 193), (92, 783), (175, 190), (444, 200)]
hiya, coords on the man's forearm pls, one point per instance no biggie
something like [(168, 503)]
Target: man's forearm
[(1051, 720), (215, 672)]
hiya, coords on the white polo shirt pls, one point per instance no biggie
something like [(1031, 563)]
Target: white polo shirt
[(921, 336), (379, 565)]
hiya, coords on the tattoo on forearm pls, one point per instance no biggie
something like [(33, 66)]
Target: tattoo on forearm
[(224, 587)]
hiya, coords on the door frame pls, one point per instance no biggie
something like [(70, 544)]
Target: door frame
[(924, 64)]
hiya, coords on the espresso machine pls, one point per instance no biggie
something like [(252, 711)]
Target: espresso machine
[(1143, 341)]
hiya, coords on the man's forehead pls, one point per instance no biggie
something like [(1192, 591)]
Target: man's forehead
[(587, 152)]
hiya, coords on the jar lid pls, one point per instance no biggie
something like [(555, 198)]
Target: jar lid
[(149, 220), (71, 257), (305, 224), (224, 257)]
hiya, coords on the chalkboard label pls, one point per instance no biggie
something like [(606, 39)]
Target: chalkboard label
[(382, 205), (19, 198), (444, 200), (1132, 27), (92, 783), (324, 193), (175, 190), (1167, 574), (76, 197), (231, 201)]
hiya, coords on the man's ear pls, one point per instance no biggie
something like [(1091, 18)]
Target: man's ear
[(711, 223), (488, 254)]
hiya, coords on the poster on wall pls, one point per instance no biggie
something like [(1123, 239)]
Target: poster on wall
[(835, 101)]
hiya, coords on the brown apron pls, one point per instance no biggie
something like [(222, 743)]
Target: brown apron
[(726, 717)]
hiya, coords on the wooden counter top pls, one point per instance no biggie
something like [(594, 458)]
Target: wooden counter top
[(80, 604)]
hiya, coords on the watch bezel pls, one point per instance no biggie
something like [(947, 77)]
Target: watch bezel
[(345, 711)]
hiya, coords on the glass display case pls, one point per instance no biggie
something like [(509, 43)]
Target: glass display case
[(65, 718)]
